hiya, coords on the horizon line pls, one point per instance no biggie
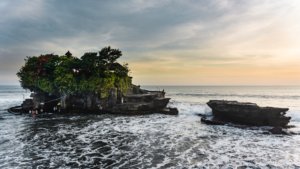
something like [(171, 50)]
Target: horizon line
[(196, 85)]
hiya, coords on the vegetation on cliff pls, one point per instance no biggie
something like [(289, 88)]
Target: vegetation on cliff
[(94, 72)]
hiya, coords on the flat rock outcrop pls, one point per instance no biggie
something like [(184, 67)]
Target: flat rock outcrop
[(246, 114)]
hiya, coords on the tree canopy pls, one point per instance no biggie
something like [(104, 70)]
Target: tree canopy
[(94, 72)]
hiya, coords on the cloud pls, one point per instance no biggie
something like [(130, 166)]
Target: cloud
[(171, 35), (21, 10)]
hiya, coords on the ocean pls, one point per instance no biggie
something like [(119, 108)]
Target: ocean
[(150, 141)]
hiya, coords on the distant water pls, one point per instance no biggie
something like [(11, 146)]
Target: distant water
[(150, 141)]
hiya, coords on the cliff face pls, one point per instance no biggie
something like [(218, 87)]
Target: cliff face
[(135, 101)]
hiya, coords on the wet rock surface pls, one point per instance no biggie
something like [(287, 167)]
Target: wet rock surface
[(137, 102), (247, 114), (278, 130)]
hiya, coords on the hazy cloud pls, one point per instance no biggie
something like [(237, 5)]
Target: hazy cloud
[(168, 33)]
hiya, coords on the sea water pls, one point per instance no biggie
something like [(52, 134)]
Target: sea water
[(150, 141)]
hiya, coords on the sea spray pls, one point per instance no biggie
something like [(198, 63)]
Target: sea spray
[(149, 141)]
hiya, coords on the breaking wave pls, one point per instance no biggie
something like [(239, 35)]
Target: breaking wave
[(240, 95), (152, 141), (149, 141)]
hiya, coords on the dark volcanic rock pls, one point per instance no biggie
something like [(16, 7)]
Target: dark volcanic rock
[(135, 102), (248, 113), (278, 130), (212, 121), (27, 104)]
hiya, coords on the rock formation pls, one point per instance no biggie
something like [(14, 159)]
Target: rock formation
[(246, 113), (95, 82), (137, 101)]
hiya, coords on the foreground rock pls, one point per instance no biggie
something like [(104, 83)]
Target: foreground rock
[(246, 114), (278, 130)]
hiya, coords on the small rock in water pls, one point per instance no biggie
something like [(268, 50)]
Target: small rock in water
[(278, 130)]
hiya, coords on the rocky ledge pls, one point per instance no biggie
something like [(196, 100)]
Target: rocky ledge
[(246, 114), (137, 101)]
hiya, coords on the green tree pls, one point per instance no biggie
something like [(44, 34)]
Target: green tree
[(109, 55), (60, 75)]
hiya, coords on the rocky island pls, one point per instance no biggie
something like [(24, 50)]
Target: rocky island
[(245, 113), (94, 83)]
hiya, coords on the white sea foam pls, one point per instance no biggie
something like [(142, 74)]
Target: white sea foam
[(150, 141), (191, 108), (295, 114)]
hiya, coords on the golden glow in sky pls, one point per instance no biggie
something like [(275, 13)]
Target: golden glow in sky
[(209, 42), (258, 46)]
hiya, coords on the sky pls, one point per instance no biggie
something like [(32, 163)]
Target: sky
[(165, 42)]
